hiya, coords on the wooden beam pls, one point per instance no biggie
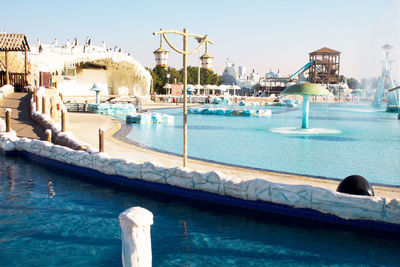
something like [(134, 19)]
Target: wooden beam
[(6, 61), (26, 66)]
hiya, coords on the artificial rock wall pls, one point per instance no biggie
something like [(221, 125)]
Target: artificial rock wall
[(300, 196)]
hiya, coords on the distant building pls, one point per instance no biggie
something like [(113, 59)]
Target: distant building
[(231, 76)]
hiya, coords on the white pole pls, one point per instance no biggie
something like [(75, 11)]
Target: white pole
[(185, 49), (136, 240)]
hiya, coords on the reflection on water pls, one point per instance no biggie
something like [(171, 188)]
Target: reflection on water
[(54, 218)]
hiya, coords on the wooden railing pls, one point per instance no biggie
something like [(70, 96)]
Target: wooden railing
[(15, 79)]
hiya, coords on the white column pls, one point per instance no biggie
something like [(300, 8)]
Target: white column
[(136, 240)]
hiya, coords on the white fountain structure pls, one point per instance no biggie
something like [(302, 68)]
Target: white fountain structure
[(385, 82)]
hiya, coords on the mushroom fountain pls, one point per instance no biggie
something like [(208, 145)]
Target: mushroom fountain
[(306, 89)]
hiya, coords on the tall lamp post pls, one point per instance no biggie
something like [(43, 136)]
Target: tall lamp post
[(168, 76), (161, 56)]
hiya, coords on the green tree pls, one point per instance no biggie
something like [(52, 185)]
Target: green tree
[(159, 76), (352, 83), (206, 76), (342, 79)]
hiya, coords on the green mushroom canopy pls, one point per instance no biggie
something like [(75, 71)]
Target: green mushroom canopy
[(306, 89)]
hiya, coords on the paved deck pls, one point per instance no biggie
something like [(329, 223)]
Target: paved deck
[(20, 116), (85, 127)]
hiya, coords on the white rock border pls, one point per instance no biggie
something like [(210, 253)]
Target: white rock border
[(298, 196), (46, 122)]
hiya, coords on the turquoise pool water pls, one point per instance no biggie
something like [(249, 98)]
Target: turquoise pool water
[(54, 218), (351, 139)]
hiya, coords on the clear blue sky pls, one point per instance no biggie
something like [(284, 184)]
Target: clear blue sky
[(256, 34)]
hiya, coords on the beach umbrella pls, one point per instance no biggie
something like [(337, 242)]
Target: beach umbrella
[(306, 89)]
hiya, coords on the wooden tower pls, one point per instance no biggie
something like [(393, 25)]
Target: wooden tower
[(325, 67)]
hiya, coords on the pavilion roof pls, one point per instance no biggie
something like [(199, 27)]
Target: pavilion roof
[(325, 50), (13, 42)]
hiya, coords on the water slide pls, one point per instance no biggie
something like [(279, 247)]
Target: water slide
[(302, 69)]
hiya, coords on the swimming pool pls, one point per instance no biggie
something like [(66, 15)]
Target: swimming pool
[(351, 139), (50, 217)]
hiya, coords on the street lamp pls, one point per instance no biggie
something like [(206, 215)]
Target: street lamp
[(160, 54), (169, 86), (206, 59)]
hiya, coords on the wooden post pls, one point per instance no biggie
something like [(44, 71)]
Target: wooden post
[(6, 61), (26, 67), (8, 116), (48, 135), (63, 122), (43, 105), (52, 111), (34, 95), (37, 103), (101, 140)]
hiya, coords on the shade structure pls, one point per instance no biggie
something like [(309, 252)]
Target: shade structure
[(357, 92), (198, 87), (167, 87), (234, 88), (222, 88), (209, 87), (306, 89)]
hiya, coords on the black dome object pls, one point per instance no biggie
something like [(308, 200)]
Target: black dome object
[(356, 185)]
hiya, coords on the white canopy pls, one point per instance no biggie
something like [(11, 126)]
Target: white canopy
[(210, 87), (233, 87), (223, 88)]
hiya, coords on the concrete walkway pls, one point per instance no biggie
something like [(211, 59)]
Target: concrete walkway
[(20, 116), (85, 127)]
